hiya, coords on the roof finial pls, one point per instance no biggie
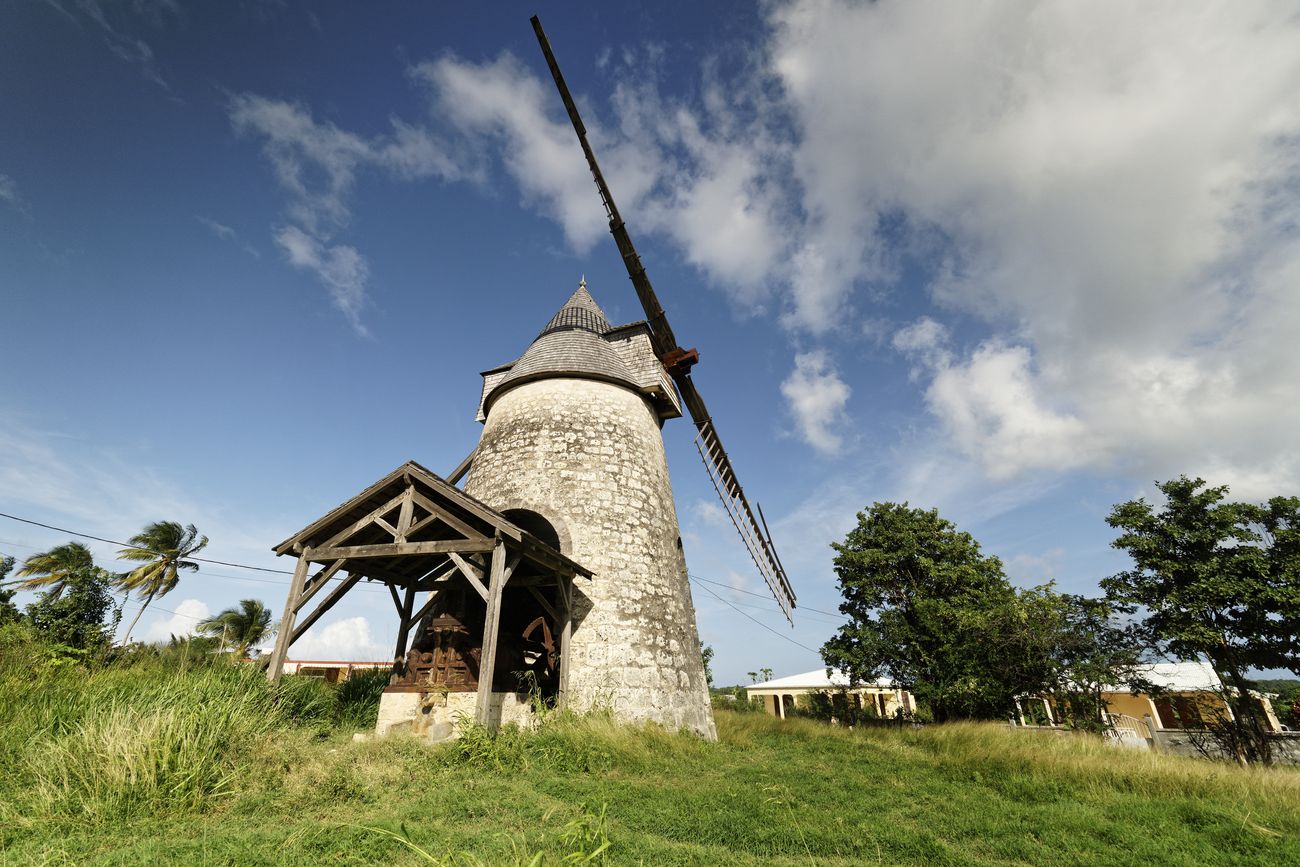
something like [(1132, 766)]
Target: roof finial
[(582, 284)]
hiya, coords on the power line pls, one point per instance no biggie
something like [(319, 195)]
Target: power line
[(129, 545), (756, 620), (768, 597)]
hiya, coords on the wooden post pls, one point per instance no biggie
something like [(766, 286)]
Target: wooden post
[(404, 629), (285, 637), (566, 634), (491, 626)]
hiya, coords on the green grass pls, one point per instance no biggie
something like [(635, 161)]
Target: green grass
[(149, 764)]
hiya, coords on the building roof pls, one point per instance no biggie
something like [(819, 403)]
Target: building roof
[(579, 342), (818, 679), (572, 344), (1196, 676)]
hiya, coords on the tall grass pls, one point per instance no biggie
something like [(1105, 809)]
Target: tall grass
[(153, 761), (143, 736)]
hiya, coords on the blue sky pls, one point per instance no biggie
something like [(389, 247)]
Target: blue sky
[(1015, 261)]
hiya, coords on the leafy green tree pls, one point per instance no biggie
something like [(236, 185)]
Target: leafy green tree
[(162, 547), (9, 612), (240, 628), (928, 609), (1216, 579), (706, 653), (51, 570), (81, 613), (1082, 647)]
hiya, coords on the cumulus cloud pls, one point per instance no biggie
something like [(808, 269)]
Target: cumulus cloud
[(183, 620), (817, 397), (349, 639), (1108, 185)]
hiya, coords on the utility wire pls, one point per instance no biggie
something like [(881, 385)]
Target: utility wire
[(128, 545), (766, 596), (759, 622)]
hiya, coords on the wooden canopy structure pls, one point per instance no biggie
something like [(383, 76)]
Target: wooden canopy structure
[(414, 532)]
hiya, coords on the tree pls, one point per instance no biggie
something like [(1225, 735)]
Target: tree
[(51, 570), (753, 676), (240, 628), (81, 613), (162, 547), (767, 674), (1082, 647), (928, 609), (9, 612), (706, 653), (1219, 580)]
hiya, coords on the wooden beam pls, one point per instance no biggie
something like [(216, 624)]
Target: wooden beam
[(367, 520), (566, 638), (325, 605), (447, 517), (546, 606), (491, 628), (388, 528), (400, 549), (317, 582), (404, 629), (462, 468), (472, 573), (426, 607), (285, 638), (406, 513), (397, 602)]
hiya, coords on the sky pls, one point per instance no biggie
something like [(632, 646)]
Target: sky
[(1016, 261)]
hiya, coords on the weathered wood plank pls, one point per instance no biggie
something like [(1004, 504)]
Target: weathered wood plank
[(400, 549), (491, 626), (462, 468), (317, 582), (363, 522), (447, 517), (404, 629), (472, 574), (284, 639), (407, 511), (546, 606), (325, 605), (566, 636)]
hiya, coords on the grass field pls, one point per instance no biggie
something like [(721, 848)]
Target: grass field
[(151, 764)]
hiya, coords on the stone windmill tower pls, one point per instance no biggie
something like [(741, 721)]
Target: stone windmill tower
[(558, 569), (571, 449)]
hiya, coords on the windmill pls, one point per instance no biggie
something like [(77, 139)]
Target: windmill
[(558, 569), (678, 363)]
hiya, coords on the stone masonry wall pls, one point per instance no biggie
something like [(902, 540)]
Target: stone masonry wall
[(589, 457)]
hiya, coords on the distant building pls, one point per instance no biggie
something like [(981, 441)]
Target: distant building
[(1188, 694), (330, 670), (782, 695)]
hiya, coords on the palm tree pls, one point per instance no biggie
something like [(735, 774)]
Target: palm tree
[(240, 628), (162, 547), (52, 569)]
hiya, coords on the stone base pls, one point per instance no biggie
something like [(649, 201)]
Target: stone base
[(434, 714)]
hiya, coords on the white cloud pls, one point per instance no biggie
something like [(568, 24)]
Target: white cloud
[(317, 164), (1110, 186), (341, 268), (183, 620), (817, 398), (10, 196), (125, 46), (348, 639)]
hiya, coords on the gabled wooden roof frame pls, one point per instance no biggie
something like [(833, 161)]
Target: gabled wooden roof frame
[(376, 536)]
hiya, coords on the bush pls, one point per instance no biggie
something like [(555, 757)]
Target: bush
[(357, 698)]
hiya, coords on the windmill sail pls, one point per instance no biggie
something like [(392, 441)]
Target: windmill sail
[(677, 362)]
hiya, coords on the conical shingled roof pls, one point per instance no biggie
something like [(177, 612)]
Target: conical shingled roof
[(572, 344)]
